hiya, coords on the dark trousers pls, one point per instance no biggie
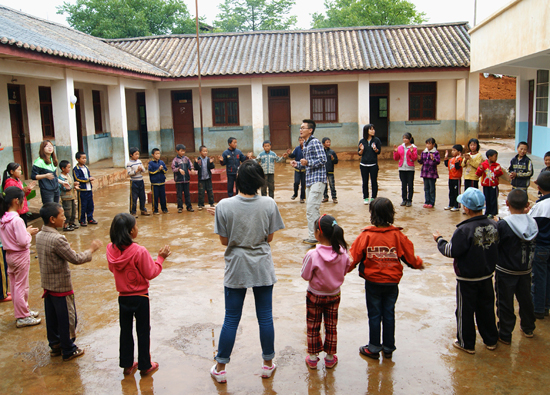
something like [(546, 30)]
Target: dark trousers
[(61, 322), (159, 194), (137, 191), (85, 206), (231, 178), (475, 299), (381, 301), (491, 200), (206, 184), (407, 182), (49, 196), (138, 307), (541, 278), (69, 207), (300, 178), (371, 171), (331, 183), (471, 184), (269, 183), (182, 188), (454, 191), (506, 286), (4, 284), (429, 191)]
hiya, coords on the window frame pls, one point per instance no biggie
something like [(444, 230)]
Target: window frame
[(421, 95), (46, 105), (313, 96), (97, 110), (225, 101), (538, 86)]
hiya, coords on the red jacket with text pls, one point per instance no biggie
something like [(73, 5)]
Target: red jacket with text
[(489, 173)]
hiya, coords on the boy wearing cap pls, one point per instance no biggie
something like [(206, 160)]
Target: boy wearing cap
[(474, 247)]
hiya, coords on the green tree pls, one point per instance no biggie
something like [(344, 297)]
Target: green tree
[(344, 13), (252, 15), (128, 18)]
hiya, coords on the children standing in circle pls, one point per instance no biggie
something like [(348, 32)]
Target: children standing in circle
[(12, 178), (324, 268), (429, 159), (133, 267), (16, 239), (406, 154), (370, 147), (470, 163)]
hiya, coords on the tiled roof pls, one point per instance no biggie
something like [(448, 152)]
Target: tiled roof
[(342, 49), (38, 35)]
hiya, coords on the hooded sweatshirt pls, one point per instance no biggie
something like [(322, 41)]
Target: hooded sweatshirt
[(516, 248), (133, 268), (411, 155), (325, 269), (13, 233)]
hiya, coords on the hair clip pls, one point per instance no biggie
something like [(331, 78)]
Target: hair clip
[(334, 223)]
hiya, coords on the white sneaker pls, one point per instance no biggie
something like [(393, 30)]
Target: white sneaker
[(27, 321), (218, 376), (447, 208), (267, 371), (455, 209), (34, 314), (366, 201)]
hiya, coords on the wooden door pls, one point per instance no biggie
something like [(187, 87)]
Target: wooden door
[(78, 108), (182, 117), (17, 133), (379, 110), (279, 117), (530, 114)]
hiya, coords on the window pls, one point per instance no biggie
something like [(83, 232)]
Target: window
[(225, 106), (422, 97), (46, 111), (98, 120), (324, 103), (541, 112)]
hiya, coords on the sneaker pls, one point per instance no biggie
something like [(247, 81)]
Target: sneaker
[(366, 201), (76, 353), (134, 214), (131, 370), (83, 224), (55, 351), (324, 200), (453, 209), (92, 222), (6, 299), (34, 314), (146, 213), (27, 321), (293, 197), (364, 350), (302, 200), (457, 345), (527, 334), (447, 208), (200, 208), (190, 209), (68, 229), (335, 201), (154, 367), (388, 355), (403, 203), (312, 364), (156, 213), (180, 210), (165, 212), (409, 204), (492, 348), (330, 363), (75, 226), (504, 341), (267, 371), (311, 241), (218, 376)]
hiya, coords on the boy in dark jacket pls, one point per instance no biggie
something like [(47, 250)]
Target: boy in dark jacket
[(181, 166), (332, 159), (299, 174), (81, 174), (516, 249), (474, 247), (521, 168), (231, 159), (203, 166), (157, 170)]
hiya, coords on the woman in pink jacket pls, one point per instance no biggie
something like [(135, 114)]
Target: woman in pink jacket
[(16, 239), (406, 154), (133, 267)]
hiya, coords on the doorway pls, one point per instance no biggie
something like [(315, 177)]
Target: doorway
[(379, 110), (279, 116), (17, 133), (78, 114), (142, 122), (530, 114), (182, 117)]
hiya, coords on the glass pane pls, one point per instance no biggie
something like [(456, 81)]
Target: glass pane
[(219, 109), (382, 114), (542, 90), (317, 105), (331, 116), (330, 105), (415, 114), (415, 102), (428, 114), (541, 119), (542, 104), (542, 76), (317, 116), (428, 102), (383, 103), (323, 90)]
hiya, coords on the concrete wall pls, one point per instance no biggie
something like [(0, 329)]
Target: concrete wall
[(497, 118)]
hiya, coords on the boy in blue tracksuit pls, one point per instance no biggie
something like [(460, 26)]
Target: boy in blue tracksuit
[(299, 174), (332, 159), (181, 165), (157, 170), (267, 160), (81, 174), (231, 159)]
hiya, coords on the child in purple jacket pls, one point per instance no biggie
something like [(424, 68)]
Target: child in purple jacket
[(429, 159)]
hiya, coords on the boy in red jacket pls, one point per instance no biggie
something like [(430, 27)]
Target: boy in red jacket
[(490, 171), (455, 175), (378, 249)]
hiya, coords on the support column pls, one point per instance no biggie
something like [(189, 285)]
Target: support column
[(34, 120), (6, 156), (152, 105), (461, 129), (472, 106), (64, 117), (117, 120), (363, 103), (257, 115)]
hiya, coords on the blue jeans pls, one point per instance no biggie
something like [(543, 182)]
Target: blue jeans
[(234, 299), (381, 310), (541, 278), (429, 191)]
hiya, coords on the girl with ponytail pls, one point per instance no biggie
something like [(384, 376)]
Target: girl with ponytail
[(324, 268), (12, 178)]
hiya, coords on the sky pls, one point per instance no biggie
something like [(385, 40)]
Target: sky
[(437, 11)]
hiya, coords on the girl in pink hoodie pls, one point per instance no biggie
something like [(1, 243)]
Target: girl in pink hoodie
[(406, 154), (12, 178), (324, 268), (133, 267), (16, 238)]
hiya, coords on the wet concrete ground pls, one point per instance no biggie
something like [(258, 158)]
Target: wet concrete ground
[(187, 312)]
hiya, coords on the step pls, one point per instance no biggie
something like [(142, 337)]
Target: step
[(171, 197), (194, 185)]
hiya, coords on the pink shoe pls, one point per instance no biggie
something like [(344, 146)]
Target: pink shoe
[(429, 206), (330, 363), (131, 370), (218, 376), (426, 205), (267, 371), (311, 363), (154, 367)]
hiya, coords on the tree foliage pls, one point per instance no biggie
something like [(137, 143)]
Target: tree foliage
[(128, 18), (344, 13), (252, 15)]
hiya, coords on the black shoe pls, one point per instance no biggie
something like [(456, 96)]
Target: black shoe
[(409, 204), (539, 316), (190, 209), (293, 197), (364, 350), (92, 222), (388, 355), (68, 229), (76, 353), (403, 203), (83, 224)]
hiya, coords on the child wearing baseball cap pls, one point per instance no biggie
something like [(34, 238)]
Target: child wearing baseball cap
[(474, 247)]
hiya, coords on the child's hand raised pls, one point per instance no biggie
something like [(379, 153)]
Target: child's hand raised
[(220, 158), (446, 154), (96, 245), (165, 251), (211, 160), (211, 210), (436, 235), (288, 151), (395, 148), (32, 230)]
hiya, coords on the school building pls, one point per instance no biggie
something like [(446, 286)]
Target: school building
[(516, 41), (144, 92)]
